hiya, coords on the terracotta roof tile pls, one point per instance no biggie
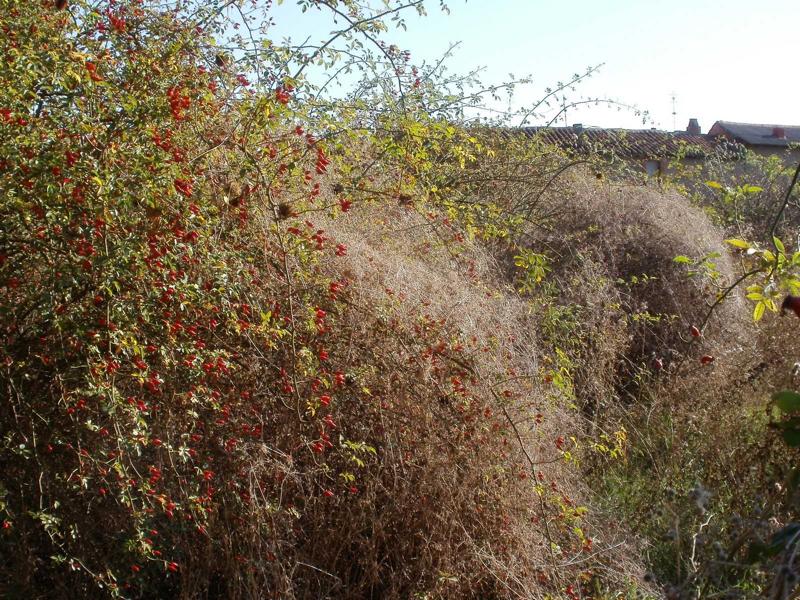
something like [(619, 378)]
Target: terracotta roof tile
[(626, 143)]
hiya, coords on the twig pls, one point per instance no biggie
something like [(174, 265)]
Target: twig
[(694, 541), (784, 205), (725, 293)]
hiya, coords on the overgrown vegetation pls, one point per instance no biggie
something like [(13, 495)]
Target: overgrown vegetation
[(263, 342)]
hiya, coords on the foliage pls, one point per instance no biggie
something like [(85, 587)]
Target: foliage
[(200, 399), (745, 544), (266, 341), (738, 188)]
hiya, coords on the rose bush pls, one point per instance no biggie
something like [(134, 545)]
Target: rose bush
[(196, 401)]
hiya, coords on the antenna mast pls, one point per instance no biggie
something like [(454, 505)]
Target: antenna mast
[(674, 113)]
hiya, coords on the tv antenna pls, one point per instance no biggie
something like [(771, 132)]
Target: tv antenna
[(674, 112)]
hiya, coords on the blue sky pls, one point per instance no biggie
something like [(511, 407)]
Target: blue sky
[(732, 60)]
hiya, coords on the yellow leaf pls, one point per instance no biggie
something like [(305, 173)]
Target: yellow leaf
[(738, 243), (759, 311)]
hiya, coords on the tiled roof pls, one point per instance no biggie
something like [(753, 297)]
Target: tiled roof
[(754, 134), (625, 143)]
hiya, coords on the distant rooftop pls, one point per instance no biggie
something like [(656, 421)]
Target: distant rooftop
[(625, 143), (754, 134), (724, 137)]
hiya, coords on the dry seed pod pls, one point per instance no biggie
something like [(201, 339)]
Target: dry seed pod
[(153, 212), (285, 210), (233, 189)]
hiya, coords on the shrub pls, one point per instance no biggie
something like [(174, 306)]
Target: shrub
[(205, 393)]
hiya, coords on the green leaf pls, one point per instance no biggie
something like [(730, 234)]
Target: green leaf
[(714, 184), (780, 541), (783, 538), (787, 400), (755, 552), (793, 480), (792, 437), (684, 260), (779, 245)]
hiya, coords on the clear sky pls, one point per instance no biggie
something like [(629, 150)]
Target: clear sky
[(734, 60)]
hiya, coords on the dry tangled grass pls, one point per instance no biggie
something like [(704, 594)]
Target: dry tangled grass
[(451, 506), (446, 507), (217, 389), (691, 422)]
